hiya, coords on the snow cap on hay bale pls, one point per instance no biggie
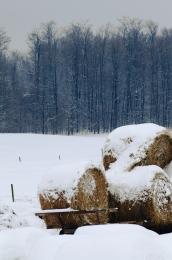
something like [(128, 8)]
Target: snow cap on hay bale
[(135, 145), (56, 190), (91, 193), (145, 193)]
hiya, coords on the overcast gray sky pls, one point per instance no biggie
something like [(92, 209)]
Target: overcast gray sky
[(19, 17)]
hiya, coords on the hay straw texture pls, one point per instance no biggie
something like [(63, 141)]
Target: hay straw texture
[(159, 152), (87, 190), (159, 211), (136, 145), (53, 200), (108, 159), (145, 193), (91, 193)]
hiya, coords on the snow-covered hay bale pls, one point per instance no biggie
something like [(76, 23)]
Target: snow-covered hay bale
[(144, 194), (91, 193), (136, 145), (79, 187), (159, 152), (56, 191)]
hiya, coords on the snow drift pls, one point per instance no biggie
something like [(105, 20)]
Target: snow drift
[(129, 242)]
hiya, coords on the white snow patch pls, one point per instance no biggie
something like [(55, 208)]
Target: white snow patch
[(89, 185), (19, 214)]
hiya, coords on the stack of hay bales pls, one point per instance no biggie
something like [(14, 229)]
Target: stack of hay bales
[(131, 178), (81, 187), (137, 186)]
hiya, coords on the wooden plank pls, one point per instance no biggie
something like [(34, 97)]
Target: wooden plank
[(64, 212), (67, 210)]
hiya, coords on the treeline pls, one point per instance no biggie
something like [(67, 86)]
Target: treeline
[(80, 80)]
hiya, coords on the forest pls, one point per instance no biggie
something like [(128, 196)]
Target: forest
[(78, 79)]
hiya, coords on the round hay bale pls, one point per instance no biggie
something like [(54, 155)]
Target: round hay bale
[(91, 193), (144, 194), (56, 191), (159, 152), (138, 145), (80, 187)]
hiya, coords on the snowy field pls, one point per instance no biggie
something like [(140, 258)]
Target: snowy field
[(24, 160)]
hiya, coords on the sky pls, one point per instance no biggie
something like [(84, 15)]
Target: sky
[(19, 17)]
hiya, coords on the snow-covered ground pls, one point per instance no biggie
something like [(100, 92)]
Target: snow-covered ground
[(24, 160), (122, 242)]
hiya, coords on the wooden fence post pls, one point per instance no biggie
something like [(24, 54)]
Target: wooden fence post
[(12, 192)]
